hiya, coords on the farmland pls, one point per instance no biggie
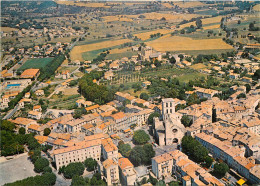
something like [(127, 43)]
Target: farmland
[(146, 35), (7, 29), (92, 5), (256, 8), (168, 16), (178, 43), (189, 4), (76, 53), (126, 18), (36, 63)]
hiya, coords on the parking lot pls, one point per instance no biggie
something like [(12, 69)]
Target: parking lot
[(16, 169)]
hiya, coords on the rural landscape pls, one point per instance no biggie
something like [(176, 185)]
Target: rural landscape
[(162, 93)]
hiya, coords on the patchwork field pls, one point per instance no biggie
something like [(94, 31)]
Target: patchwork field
[(36, 63), (146, 35), (119, 50), (167, 5), (76, 53), (177, 43)]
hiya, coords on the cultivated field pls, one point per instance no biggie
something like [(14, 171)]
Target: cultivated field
[(189, 4), (7, 29), (211, 27), (177, 43), (205, 22), (256, 7), (76, 53), (176, 17), (85, 4), (36, 63), (167, 5), (126, 18), (119, 50), (146, 35)]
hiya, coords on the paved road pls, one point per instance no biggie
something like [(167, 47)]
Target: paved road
[(11, 112), (16, 169)]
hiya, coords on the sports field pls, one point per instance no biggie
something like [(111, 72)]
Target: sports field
[(146, 35), (177, 43), (77, 51), (36, 63)]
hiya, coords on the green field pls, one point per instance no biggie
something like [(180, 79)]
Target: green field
[(36, 63)]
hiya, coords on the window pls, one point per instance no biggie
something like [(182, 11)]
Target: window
[(170, 104), (166, 104)]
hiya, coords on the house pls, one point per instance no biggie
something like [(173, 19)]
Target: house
[(146, 83), (27, 95), (108, 75), (65, 74), (23, 122), (234, 76), (247, 79), (35, 115), (109, 169), (23, 101), (30, 73), (93, 108), (82, 102), (37, 129), (186, 63), (39, 92), (127, 173), (37, 108)]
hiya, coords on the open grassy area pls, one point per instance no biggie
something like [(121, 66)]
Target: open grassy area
[(126, 18), (189, 4), (121, 55), (36, 63), (198, 66), (256, 8), (177, 43), (77, 51)]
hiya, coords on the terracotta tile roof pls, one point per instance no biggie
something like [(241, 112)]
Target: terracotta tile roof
[(124, 163), (108, 163), (81, 145), (41, 139), (88, 126), (34, 127), (29, 73), (23, 121), (108, 145), (92, 107), (118, 115)]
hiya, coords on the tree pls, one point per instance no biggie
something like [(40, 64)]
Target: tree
[(124, 149), (198, 23), (47, 169), (22, 130), (200, 153), (144, 96), (241, 95), (90, 164), (186, 121), (140, 137), (149, 154), (73, 169), (40, 164), (46, 131), (172, 60), (256, 75), (214, 115), (220, 169), (136, 155), (78, 181), (126, 102), (208, 161), (151, 116), (248, 88)]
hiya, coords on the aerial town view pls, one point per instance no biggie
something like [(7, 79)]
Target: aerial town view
[(131, 93)]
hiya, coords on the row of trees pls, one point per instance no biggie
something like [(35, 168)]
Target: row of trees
[(49, 70), (199, 154)]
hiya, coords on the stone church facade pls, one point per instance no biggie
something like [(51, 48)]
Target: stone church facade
[(168, 129)]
